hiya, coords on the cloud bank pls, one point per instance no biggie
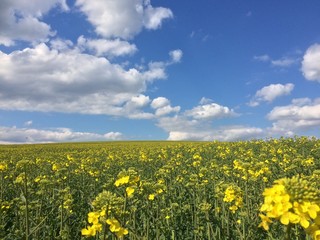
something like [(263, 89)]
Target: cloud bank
[(302, 113), (31, 135)]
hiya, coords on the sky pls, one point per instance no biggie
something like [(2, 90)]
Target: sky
[(105, 70)]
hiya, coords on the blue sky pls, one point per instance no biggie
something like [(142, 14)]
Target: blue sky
[(92, 70)]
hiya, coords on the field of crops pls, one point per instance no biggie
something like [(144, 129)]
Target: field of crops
[(161, 190)]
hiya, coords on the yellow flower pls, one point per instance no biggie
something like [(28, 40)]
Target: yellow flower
[(151, 197), (93, 217), (122, 231), (312, 210), (130, 191), (114, 224), (265, 222), (3, 166), (90, 231), (292, 201), (316, 235), (121, 181), (116, 228), (289, 217), (103, 213), (233, 195), (54, 167), (160, 191), (229, 194)]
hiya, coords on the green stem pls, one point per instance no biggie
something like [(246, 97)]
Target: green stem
[(61, 217), (288, 231)]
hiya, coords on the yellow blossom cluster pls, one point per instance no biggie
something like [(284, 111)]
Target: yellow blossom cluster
[(130, 179), (3, 166), (95, 219), (292, 201), (233, 195), (96, 226), (106, 205), (116, 228)]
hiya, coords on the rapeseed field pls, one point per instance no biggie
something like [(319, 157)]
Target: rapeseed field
[(258, 189)]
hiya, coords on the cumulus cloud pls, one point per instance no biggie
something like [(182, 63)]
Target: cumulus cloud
[(299, 109), (109, 48), (176, 55), (210, 111), (45, 79), (181, 127), (229, 133), (198, 124), (311, 63), (160, 102), (162, 107), (31, 135), (133, 108), (166, 110), (300, 114), (21, 20), (270, 93), (123, 18)]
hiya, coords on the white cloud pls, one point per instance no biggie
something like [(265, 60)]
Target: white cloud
[(197, 124), (311, 63), (168, 109), (210, 111), (113, 136), (160, 102), (233, 133), (139, 101), (300, 114), (227, 133), (205, 100), (284, 62), (180, 123), (133, 107), (183, 136), (31, 135), (270, 93), (61, 45), (281, 62), (122, 18), (197, 119), (110, 48), (262, 58), (28, 123), (153, 17), (21, 20), (298, 110), (176, 55), (163, 107), (44, 79)]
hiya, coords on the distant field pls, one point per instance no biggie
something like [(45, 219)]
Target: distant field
[(161, 190)]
